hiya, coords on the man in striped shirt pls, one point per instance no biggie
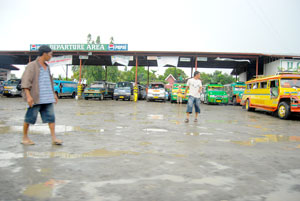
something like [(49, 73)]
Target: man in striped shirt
[(38, 91)]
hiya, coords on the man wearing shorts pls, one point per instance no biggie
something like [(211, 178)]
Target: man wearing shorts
[(37, 90), (195, 86)]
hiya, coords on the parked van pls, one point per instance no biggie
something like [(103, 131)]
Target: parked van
[(156, 91), (65, 88), (215, 94), (99, 90), (123, 91), (12, 87), (279, 94), (235, 92)]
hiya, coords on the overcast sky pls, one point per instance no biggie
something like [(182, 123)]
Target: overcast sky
[(258, 26)]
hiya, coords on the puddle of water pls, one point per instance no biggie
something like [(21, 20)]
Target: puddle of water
[(267, 139), (44, 129), (43, 190), (87, 113), (156, 116), (179, 155), (145, 143), (197, 134), (218, 166), (258, 126), (155, 130), (92, 154), (214, 181)]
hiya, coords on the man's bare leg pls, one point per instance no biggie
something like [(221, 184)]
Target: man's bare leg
[(53, 136), (26, 139)]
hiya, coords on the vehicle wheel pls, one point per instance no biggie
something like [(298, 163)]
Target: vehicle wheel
[(248, 108), (234, 101), (148, 100), (101, 97), (283, 110), (73, 95), (86, 98)]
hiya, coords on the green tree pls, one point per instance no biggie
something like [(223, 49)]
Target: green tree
[(176, 72)]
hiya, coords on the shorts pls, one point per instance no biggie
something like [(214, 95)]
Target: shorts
[(46, 111), (191, 102)]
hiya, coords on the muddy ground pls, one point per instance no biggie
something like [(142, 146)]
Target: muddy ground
[(119, 150)]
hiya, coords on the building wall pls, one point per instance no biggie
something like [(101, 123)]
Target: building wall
[(271, 68), (243, 77)]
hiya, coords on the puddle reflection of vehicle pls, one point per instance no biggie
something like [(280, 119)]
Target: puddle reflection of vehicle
[(156, 91), (65, 88), (12, 88), (123, 91), (99, 90)]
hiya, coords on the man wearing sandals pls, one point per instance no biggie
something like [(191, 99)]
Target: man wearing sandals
[(195, 86), (37, 90)]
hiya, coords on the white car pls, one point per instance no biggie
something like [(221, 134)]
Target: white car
[(156, 91)]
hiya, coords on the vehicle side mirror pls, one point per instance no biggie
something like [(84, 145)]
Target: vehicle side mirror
[(19, 87)]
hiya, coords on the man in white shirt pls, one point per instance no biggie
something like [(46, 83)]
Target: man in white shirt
[(195, 86)]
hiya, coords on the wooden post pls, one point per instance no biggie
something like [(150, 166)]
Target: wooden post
[(105, 73), (136, 69), (80, 71), (256, 67), (29, 59)]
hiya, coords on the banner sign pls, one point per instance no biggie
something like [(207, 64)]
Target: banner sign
[(82, 47), (61, 60)]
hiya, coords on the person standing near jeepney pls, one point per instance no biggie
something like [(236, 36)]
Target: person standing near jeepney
[(179, 95), (37, 90), (194, 85)]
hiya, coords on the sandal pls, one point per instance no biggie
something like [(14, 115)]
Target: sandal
[(27, 142), (196, 120), (57, 142), (186, 120)]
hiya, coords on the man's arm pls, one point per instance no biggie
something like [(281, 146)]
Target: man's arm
[(29, 97)]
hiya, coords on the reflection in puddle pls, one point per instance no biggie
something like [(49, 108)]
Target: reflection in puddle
[(145, 143), (44, 129), (43, 190), (155, 130), (87, 113), (94, 153), (258, 126), (268, 138), (197, 134), (158, 116)]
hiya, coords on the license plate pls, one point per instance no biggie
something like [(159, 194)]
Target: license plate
[(121, 96), (6, 92), (218, 101), (155, 97)]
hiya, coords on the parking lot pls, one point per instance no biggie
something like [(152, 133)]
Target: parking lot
[(121, 150)]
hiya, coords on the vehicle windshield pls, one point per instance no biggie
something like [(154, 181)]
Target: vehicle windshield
[(97, 85), (239, 88), (156, 86), (123, 84), (290, 83), (12, 82), (216, 88)]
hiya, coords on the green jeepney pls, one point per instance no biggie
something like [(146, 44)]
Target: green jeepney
[(174, 92), (215, 94), (235, 92)]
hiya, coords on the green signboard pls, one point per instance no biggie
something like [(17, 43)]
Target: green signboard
[(82, 47)]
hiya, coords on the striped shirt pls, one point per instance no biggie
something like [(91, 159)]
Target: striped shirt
[(46, 92)]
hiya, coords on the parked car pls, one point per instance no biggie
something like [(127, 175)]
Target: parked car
[(123, 91), (12, 88), (156, 91), (100, 90), (65, 88), (1, 86)]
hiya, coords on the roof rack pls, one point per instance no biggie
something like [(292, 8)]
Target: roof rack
[(287, 72)]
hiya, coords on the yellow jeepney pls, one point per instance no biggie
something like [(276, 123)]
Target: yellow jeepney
[(279, 94)]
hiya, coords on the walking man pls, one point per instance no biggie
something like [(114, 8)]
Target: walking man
[(37, 90), (195, 86)]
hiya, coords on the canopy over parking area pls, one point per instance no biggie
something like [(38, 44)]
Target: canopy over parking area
[(250, 63)]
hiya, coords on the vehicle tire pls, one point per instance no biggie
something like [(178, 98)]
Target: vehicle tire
[(101, 98), (148, 100), (283, 110), (73, 95), (86, 98), (234, 101), (248, 108)]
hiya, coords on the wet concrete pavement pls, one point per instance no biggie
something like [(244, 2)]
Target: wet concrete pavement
[(116, 150)]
